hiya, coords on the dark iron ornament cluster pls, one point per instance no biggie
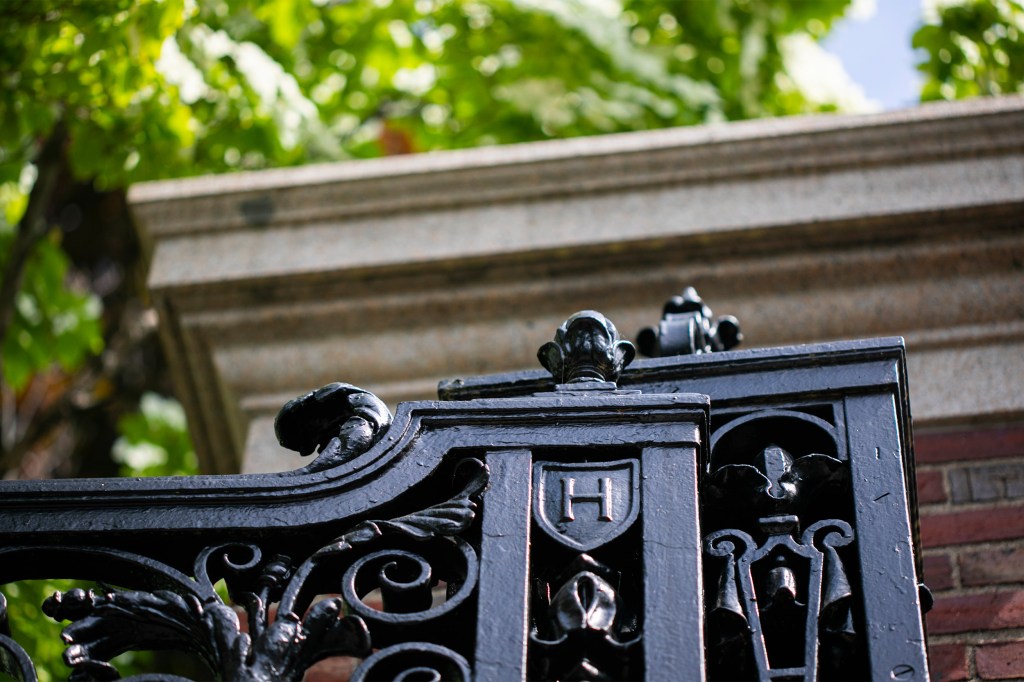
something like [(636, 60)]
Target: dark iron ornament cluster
[(788, 582), (762, 622), (688, 327), (541, 535), (192, 616), (587, 632), (781, 602)]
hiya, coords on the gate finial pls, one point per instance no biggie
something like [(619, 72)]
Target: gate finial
[(689, 327), (587, 349)]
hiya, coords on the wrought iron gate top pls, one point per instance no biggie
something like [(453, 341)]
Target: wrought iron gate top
[(727, 515)]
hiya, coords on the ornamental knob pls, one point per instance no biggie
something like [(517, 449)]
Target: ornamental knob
[(587, 348)]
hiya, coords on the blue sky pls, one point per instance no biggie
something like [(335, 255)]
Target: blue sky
[(873, 43)]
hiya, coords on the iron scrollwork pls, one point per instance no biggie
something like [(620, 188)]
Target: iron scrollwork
[(413, 661), (193, 617), (781, 606), (778, 602)]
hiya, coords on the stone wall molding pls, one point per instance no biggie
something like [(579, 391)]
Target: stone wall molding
[(808, 229)]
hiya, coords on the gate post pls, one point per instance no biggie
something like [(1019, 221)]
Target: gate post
[(807, 506)]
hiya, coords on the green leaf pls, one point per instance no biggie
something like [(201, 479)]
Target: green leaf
[(52, 324), (974, 48), (154, 441)]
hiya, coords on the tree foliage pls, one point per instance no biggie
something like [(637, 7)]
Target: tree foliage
[(82, 113), (90, 65), (365, 78), (154, 441), (102, 93), (51, 322), (974, 48), (155, 89)]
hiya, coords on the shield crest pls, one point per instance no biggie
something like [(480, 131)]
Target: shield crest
[(586, 505)]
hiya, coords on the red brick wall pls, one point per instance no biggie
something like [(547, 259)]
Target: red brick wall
[(971, 495)]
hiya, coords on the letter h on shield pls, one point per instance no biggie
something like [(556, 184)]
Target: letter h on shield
[(603, 497)]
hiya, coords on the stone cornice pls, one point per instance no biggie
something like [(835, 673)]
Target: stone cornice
[(791, 176), (395, 273), (705, 154)]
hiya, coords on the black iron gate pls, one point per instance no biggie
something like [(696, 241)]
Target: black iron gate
[(737, 515)]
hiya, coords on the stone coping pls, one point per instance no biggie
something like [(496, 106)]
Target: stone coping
[(395, 273)]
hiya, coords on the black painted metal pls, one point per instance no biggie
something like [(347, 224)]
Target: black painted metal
[(734, 515), (807, 502), (688, 327)]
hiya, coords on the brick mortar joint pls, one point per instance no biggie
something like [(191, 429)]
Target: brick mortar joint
[(987, 505), (976, 591), (947, 464), (922, 461), (954, 571), (954, 462), (981, 545), (973, 638), (981, 590), (944, 469)]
